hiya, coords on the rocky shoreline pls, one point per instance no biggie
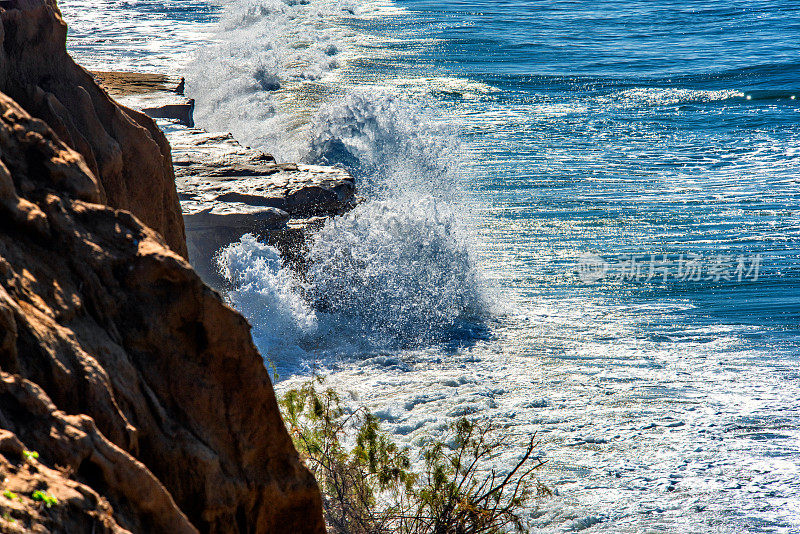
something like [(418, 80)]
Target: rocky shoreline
[(227, 190), (132, 399)]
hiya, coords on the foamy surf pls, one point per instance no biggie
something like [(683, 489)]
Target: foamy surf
[(268, 293), (110, 35), (391, 274), (398, 271), (276, 63)]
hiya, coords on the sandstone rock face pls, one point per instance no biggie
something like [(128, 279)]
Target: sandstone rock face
[(148, 404), (214, 171), (123, 148), (74, 444)]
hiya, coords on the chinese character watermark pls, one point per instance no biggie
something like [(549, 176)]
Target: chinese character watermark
[(660, 268)]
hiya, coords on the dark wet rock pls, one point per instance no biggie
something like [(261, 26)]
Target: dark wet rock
[(182, 113)]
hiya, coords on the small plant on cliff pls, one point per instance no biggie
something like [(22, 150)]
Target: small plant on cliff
[(45, 498), (30, 455), (369, 486), (10, 495)]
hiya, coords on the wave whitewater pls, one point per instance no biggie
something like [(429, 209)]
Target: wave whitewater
[(398, 270)]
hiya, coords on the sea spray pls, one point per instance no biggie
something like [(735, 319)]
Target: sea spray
[(273, 65), (394, 145), (267, 293), (391, 274), (398, 270)]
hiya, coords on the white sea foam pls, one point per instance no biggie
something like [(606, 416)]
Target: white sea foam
[(136, 36), (276, 63), (268, 294), (446, 86), (668, 96)]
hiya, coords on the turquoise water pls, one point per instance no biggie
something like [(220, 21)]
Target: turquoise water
[(497, 143)]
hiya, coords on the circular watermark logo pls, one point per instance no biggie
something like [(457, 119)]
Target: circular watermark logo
[(591, 267)]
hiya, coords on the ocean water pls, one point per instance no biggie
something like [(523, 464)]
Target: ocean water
[(542, 181)]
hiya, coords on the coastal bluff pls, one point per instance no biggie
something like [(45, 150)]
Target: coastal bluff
[(132, 399), (122, 147)]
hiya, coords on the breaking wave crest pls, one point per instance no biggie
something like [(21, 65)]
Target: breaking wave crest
[(267, 293), (390, 274), (398, 270)]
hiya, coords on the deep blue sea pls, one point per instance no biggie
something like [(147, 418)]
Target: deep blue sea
[(580, 219)]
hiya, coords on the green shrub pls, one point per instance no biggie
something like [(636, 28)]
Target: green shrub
[(43, 497), (370, 487)]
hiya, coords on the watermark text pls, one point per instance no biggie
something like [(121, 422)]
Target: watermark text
[(663, 268)]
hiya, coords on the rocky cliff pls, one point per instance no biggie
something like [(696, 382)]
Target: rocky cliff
[(123, 148), (148, 406)]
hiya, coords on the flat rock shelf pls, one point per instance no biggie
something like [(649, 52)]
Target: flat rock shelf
[(227, 190)]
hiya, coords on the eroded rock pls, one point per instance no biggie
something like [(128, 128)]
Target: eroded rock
[(72, 443), (123, 148), (124, 370)]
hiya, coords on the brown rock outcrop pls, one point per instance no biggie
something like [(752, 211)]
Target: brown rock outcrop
[(150, 407), (74, 444), (123, 148)]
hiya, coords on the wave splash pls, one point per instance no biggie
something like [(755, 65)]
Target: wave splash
[(390, 144), (273, 63), (390, 274), (398, 270), (267, 293)]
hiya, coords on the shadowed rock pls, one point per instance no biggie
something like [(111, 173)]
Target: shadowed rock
[(148, 403), (31, 422), (123, 148), (183, 113)]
